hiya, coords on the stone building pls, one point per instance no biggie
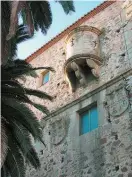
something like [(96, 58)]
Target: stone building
[(89, 130)]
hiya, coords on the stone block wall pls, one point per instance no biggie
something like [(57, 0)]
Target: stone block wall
[(116, 58), (103, 152), (107, 150)]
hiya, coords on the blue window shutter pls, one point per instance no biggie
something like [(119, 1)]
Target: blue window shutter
[(85, 123), (93, 118), (46, 78)]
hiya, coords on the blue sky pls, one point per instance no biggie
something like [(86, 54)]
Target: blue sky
[(59, 23)]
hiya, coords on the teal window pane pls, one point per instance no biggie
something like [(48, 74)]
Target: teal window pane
[(85, 123), (46, 78), (93, 118), (89, 120)]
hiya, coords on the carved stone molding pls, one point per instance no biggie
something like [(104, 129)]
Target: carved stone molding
[(84, 28), (83, 39), (58, 130), (117, 99), (73, 69)]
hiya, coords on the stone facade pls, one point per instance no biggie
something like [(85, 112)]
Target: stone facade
[(107, 150)]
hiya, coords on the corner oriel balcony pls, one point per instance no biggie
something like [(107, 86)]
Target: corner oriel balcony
[(82, 56)]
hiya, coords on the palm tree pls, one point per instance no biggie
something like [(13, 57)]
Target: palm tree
[(18, 121), (35, 15), (20, 36), (19, 124)]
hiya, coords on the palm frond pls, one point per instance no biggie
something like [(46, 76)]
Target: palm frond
[(41, 108), (29, 19), (17, 72), (42, 16), (38, 94), (32, 158), (23, 140), (21, 35), (14, 163), (11, 83), (20, 67), (67, 6), (22, 114), (19, 122)]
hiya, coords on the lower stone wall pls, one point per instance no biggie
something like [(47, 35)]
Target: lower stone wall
[(103, 152)]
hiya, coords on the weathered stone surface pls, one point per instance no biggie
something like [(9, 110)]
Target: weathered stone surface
[(124, 169), (120, 175), (129, 174), (103, 141), (105, 151), (110, 48)]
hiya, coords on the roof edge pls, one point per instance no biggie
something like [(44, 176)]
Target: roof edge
[(54, 40)]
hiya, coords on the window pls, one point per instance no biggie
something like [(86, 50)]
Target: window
[(88, 120), (45, 77)]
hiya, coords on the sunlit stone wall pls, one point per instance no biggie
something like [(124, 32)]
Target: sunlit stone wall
[(106, 151)]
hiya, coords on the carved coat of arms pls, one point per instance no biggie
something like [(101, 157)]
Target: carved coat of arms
[(58, 131), (117, 100)]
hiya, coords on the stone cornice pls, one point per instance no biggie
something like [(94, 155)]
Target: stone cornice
[(82, 56)]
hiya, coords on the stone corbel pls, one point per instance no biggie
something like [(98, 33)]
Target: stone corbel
[(79, 73), (94, 67), (71, 81)]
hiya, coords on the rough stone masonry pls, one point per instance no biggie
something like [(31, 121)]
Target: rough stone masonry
[(93, 65)]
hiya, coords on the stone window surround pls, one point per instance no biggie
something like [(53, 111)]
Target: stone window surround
[(41, 76), (84, 109)]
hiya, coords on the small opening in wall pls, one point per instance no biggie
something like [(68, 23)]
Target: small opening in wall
[(102, 164), (118, 30), (63, 53), (41, 152), (49, 133), (109, 120), (62, 160), (55, 96), (116, 137), (123, 54), (105, 103), (58, 84), (117, 168)]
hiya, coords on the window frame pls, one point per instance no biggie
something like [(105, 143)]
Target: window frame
[(82, 111), (43, 74)]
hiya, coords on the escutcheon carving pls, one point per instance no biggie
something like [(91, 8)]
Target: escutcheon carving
[(117, 100), (58, 131)]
